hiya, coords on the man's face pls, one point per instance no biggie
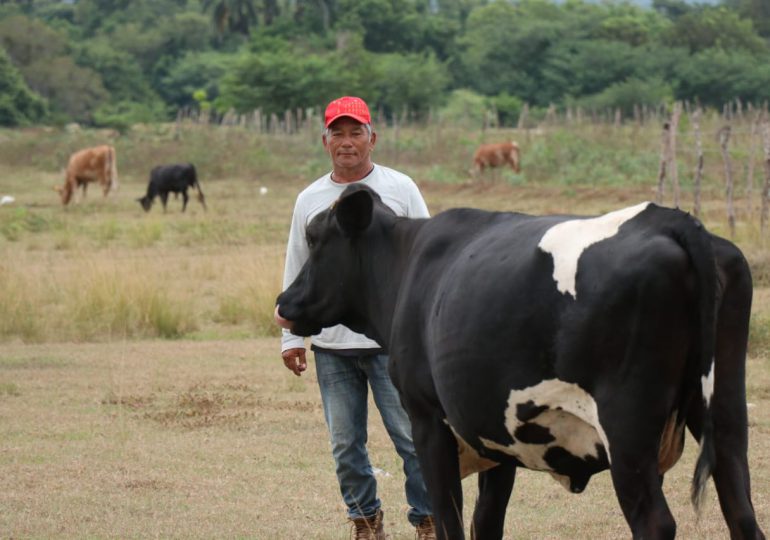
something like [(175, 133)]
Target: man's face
[(348, 143)]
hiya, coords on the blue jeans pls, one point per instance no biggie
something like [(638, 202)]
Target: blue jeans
[(344, 392)]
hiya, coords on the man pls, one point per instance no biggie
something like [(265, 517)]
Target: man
[(347, 364)]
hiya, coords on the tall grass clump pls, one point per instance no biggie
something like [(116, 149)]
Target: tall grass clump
[(113, 300), (251, 300), (20, 297)]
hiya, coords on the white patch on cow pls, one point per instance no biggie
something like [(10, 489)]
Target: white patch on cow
[(707, 385), (571, 417), (567, 241)]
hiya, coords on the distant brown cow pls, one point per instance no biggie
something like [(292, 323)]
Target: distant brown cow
[(496, 155), (96, 164)]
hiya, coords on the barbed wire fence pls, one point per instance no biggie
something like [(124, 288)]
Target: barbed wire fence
[(683, 133)]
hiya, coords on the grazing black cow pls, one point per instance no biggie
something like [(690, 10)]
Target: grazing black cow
[(165, 179), (563, 344)]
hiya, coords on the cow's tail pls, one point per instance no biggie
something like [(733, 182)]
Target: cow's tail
[(197, 185), (515, 157), (111, 168), (696, 241)]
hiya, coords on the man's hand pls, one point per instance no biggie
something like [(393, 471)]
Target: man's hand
[(294, 360)]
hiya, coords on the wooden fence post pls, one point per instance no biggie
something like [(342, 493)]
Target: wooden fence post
[(522, 123), (698, 159), (395, 138), (724, 139), (664, 140), (766, 188), (672, 168), (750, 169)]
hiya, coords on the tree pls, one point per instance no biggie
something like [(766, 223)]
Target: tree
[(234, 15), (29, 40), (276, 81), (756, 11), (388, 25), (585, 67), (504, 49), (631, 25), (465, 107), (629, 93), (121, 74), (74, 92), (42, 57), (708, 27), (192, 73), (673, 9), (18, 104), (413, 82), (716, 76)]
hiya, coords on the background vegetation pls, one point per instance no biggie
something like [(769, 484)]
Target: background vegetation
[(141, 390), (114, 63)]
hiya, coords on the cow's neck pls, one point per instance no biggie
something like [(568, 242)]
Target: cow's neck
[(385, 263)]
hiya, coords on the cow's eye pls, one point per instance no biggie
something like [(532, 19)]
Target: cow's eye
[(310, 242)]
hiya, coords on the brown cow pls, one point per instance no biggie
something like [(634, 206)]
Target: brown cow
[(96, 164), (496, 155)]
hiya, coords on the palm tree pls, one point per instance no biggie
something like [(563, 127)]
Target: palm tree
[(234, 15)]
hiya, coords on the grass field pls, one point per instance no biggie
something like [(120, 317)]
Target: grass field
[(141, 388)]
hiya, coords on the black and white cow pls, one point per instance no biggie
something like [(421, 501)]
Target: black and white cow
[(165, 179), (562, 344)]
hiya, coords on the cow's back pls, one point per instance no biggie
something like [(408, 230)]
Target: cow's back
[(173, 177), (501, 320), (95, 164), (497, 154)]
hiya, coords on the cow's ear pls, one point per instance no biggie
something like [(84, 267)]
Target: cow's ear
[(354, 211)]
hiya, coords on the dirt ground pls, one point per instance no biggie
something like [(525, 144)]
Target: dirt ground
[(215, 439)]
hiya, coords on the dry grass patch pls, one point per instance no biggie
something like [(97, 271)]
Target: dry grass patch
[(216, 439)]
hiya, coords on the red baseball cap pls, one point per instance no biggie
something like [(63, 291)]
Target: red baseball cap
[(354, 107)]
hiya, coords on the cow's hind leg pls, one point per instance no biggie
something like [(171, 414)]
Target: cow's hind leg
[(638, 486), (437, 452), (633, 429), (640, 494), (495, 486), (731, 472)]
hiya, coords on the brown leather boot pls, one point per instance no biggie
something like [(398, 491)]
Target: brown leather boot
[(426, 529), (368, 528)]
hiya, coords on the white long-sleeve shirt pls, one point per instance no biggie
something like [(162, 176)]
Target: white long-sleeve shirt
[(397, 190)]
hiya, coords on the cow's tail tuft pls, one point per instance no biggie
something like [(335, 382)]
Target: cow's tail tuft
[(697, 242)]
